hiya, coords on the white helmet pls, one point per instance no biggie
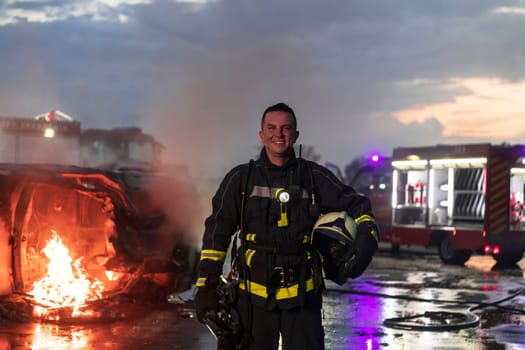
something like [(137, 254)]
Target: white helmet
[(337, 225), (333, 236)]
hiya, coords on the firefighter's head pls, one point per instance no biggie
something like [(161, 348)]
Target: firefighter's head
[(278, 132)]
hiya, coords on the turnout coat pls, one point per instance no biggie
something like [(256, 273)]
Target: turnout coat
[(276, 262)]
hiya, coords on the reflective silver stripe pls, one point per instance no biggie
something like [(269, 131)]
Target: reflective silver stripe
[(260, 191), (266, 192)]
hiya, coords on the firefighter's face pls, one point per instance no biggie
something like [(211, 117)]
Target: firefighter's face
[(278, 135)]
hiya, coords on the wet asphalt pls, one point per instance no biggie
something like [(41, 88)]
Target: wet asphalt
[(410, 301)]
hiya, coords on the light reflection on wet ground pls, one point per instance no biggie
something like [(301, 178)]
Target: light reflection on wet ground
[(405, 286), (353, 313)]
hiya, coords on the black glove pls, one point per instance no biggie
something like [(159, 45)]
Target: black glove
[(205, 300), (345, 260), (365, 247), (342, 258)]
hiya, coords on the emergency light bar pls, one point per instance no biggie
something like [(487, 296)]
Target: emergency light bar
[(407, 164), (459, 162), (375, 159), (49, 133), (517, 171)]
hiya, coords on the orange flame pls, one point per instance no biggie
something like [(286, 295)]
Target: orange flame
[(66, 284)]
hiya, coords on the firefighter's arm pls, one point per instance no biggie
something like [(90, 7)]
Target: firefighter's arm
[(219, 227), (336, 196), (366, 244), (366, 241), (206, 299)]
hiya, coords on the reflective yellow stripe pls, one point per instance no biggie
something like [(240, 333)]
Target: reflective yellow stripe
[(364, 218), (250, 237), (306, 239), (292, 291), (201, 282), (282, 293), (375, 235), (249, 255), (215, 255)]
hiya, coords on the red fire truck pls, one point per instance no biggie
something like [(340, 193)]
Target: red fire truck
[(461, 198), (48, 139)]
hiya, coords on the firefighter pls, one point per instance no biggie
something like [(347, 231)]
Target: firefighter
[(279, 293)]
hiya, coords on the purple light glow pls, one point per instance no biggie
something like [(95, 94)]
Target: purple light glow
[(375, 159)]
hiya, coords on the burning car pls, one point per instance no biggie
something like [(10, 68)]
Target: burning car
[(70, 235), (73, 235)]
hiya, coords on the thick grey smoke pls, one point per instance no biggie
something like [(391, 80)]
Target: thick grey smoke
[(198, 77)]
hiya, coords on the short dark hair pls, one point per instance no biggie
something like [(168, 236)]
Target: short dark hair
[(280, 107)]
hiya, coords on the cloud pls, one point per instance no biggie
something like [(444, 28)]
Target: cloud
[(507, 10), (45, 11), (489, 108), (198, 75)]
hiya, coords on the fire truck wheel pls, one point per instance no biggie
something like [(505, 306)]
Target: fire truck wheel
[(395, 249), (450, 255), (507, 260)]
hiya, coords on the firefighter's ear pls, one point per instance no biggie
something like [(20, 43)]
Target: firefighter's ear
[(295, 136)]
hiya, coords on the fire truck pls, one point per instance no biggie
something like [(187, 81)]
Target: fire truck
[(372, 177), (53, 140), (105, 191), (464, 199)]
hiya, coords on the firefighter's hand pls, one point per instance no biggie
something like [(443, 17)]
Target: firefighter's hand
[(365, 247), (346, 268), (205, 300), (342, 258)]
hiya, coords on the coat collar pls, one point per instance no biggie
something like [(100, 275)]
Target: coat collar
[(263, 158)]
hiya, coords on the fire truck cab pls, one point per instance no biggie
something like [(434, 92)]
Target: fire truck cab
[(374, 179), (461, 198), (120, 149)]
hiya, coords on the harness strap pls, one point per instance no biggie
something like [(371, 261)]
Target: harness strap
[(245, 179), (282, 249), (246, 338)]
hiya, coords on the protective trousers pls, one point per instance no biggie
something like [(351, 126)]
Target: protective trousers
[(300, 328)]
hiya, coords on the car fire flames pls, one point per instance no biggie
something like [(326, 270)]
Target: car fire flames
[(66, 284)]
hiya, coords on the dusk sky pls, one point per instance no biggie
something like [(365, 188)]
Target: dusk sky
[(362, 76)]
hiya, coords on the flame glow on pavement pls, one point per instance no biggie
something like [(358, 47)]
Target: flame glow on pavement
[(52, 337)]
